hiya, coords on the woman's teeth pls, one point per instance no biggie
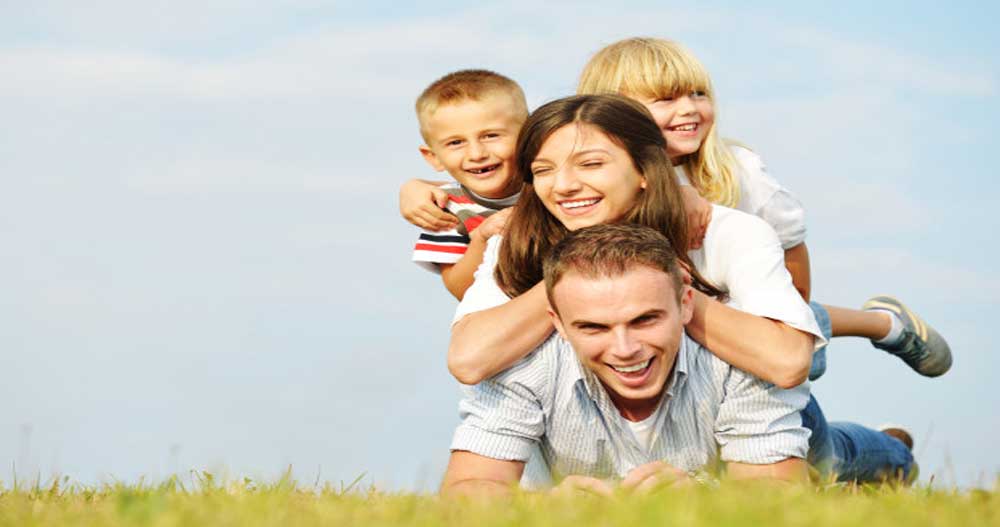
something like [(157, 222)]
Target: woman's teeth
[(579, 203), (634, 368)]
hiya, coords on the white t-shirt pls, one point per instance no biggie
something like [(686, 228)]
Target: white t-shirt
[(764, 197), (740, 254)]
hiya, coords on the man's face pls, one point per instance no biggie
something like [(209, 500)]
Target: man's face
[(474, 142), (626, 329)]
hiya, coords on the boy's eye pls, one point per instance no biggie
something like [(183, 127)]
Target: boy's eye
[(491, 135), (453, 142)]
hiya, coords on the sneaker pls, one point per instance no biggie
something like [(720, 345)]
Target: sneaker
[(922, 348)]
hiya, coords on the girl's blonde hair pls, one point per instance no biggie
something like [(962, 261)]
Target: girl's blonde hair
[(655, 68)]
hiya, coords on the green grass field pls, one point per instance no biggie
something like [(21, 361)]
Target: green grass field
[(207, 502)]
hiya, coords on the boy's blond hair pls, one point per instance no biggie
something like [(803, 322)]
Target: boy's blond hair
[(466, 85), (657, 68)]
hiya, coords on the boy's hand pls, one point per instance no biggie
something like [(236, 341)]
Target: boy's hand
[(493, 225), (653, 476), (576, 485), (422, 204), (699, 214)]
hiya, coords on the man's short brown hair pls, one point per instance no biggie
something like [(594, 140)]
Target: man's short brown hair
[(462, 85), (606, 251)]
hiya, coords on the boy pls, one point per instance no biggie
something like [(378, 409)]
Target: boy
[(469, 121)]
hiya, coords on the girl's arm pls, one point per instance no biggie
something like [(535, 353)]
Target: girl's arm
[(797, 263), (459, 276), (422, 203), (769, 349)]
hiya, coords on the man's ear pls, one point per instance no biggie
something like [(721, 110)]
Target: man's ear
[(687, 303), (556, 321), (431, 158)]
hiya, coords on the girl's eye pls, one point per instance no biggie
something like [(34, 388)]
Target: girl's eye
[(698, 93)]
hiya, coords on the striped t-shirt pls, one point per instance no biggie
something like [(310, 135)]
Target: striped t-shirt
[(710, 412), (447, 247)]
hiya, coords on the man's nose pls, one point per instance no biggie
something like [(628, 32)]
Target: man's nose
[(626, 345)]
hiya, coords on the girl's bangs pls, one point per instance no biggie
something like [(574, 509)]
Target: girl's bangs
[(658, 75)]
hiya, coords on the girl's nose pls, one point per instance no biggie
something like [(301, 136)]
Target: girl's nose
[(684, 105)]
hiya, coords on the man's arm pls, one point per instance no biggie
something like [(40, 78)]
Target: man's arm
[(471, 474), (793, 470)]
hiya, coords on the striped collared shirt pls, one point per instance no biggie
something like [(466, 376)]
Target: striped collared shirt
[(710, 412)]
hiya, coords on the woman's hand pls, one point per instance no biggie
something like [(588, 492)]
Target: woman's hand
[(422, 203), (699, 214)]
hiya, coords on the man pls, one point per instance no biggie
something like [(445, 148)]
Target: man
[(620, 395)]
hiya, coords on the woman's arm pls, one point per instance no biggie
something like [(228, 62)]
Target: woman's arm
[(484, 343), (769, 349), (797, 263)]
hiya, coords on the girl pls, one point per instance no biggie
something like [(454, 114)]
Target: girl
[(675, 87), (610, 164)]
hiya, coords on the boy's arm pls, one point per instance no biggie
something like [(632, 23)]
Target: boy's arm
[(422, 203), (459, 276), (797, 263)]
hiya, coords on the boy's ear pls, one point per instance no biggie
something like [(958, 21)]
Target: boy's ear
[(431, 158)]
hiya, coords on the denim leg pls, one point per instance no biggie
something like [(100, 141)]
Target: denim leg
[(853, 452), (818, 366)]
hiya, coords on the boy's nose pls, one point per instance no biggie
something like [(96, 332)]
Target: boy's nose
[(477, 151)]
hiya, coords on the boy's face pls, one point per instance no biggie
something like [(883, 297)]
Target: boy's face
[(474, 141), (626, 329)]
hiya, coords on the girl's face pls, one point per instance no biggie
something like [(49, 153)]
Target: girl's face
[(584, 178), (684, 120)]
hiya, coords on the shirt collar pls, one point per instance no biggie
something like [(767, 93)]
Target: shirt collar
[(491, 203)]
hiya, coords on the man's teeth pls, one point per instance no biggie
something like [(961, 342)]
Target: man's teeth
[(685, 127), (579, 203), (632, 369), (483, 170)]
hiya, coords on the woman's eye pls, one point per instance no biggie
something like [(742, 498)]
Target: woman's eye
[(539, 171), (592, 164)]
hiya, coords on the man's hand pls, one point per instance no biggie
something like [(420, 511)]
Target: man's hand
[(699, 214), (576, 485), (422, 204), (493, 225), (653, 476)]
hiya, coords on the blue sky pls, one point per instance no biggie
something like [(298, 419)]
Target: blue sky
[(204, 266)]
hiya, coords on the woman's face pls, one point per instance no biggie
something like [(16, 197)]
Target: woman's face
[(584, 178)]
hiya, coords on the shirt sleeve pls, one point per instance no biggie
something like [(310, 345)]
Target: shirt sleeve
[(484, 292), (759, 423), (762, 196), (747, 256), (435, 248), (503, 417)]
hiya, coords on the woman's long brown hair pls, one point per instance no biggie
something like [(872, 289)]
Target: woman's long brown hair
[(532, 230)]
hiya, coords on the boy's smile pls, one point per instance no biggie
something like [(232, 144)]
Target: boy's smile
[(474, 141)]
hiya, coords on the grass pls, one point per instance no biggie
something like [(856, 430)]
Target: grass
[(206, 501)]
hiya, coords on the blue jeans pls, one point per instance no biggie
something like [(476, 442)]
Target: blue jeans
[(852, 452)]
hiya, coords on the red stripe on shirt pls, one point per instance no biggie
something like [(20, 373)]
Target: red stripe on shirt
[(459, 198), (473, 222), (440, 248)]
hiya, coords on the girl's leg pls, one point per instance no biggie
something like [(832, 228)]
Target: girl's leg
[(846, 322), (893, 327)]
